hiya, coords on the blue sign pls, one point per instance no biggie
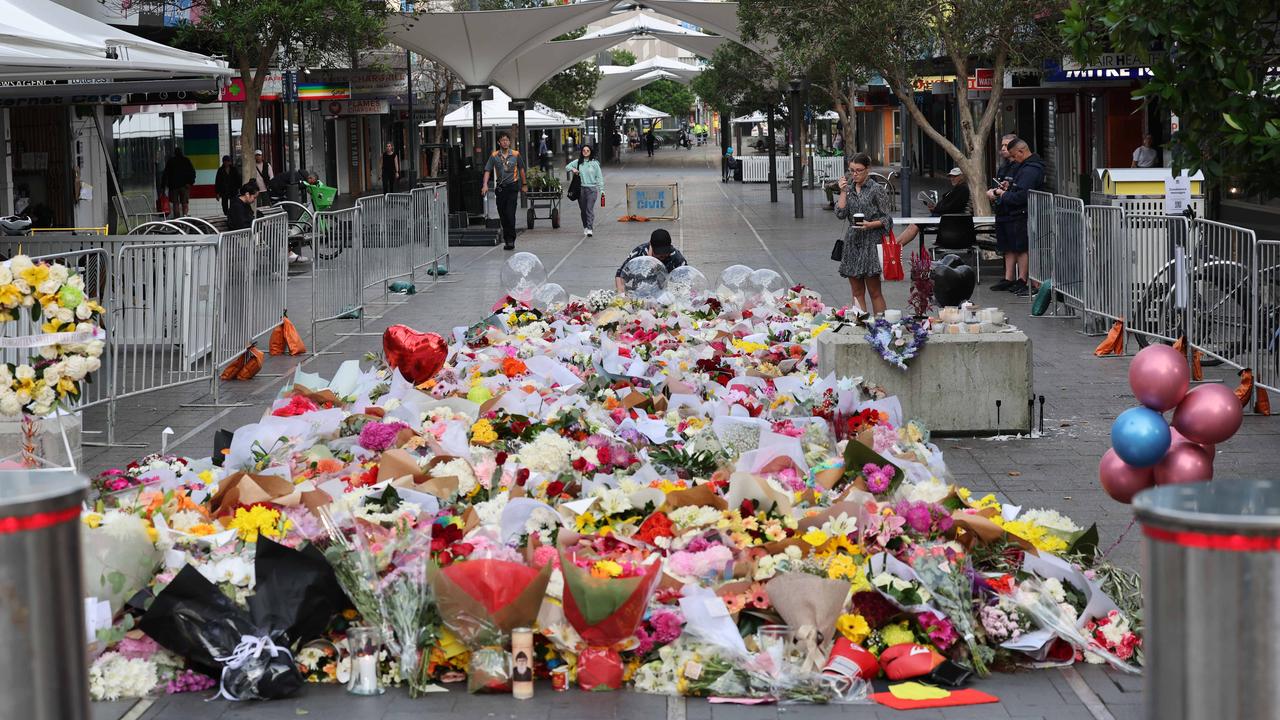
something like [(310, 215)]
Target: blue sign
[(646, 200)]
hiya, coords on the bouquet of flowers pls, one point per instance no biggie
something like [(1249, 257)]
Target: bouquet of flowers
[(250, 650), (607, 585), (481, 599), (810, 604), (898, 342), (942, 569)]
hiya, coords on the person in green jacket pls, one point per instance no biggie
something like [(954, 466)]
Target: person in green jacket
[(592, 178)]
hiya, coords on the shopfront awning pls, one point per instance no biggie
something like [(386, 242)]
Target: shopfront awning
[(42, 42)]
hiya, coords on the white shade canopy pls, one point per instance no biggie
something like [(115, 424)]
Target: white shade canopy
[(644, 112), (701, 45), (522, 75), (615, 91), (755, 117), (720, 18), (475, 44), (496, 113), (637, 22), (42, 40)]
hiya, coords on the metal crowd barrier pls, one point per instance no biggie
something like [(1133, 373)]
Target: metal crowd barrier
[(166, 315), (337, 286), (1107, 268), (1266, 314), (1039, 236), (182, 303), (1165, 277)]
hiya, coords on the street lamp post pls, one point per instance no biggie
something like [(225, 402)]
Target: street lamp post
[(797, 176), (476, 94)]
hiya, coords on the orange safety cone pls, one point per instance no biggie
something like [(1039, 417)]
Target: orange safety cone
[(1113, 344)]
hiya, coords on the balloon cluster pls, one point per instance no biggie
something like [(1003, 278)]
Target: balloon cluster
[(744, 287), (1145, 450), (525, 279)]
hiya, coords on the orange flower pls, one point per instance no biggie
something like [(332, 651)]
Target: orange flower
[(329, 465), (186, 503), (735, 602), (513, 367), (611, 402)]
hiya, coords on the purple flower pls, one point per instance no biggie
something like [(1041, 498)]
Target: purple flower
[(188, 681), (918, 518), (667, 626), (378, 436), (941, 631), (878, 478)]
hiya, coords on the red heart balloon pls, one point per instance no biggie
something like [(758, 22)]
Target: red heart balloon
[(417, 355)]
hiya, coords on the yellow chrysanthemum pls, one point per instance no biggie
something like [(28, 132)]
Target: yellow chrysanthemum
[(202, 529), (897, 634), (482, 432), (10, 295), (853, 627), (93, 520), (606, 568), (1039, 537), (257, 520), (815, 537)]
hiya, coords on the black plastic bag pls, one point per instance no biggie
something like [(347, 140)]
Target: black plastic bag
[(249, 652)]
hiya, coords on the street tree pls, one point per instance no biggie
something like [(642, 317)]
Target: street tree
[(669, 96), (259, 35), (1214, 65), (899, 40)]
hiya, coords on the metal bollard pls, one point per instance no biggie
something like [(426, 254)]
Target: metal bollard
[(1211, 565), (42, 626)]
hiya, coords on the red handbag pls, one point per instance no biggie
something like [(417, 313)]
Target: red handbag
[(892, 254)]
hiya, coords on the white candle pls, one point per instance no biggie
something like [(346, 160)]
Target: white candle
[(365, 681), (892, 316)]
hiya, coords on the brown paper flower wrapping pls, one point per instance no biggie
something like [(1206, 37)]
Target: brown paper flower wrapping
[(810, 605)]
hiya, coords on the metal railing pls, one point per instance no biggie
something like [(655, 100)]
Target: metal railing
[(182, 302), (337, 287), (1165, 277)]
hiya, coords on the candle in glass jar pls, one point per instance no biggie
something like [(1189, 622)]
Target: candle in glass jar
[(522, 663), (892, 316)]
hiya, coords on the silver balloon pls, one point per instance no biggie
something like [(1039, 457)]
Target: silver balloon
[(644, 277), (688, 283), (549, 297), (522, 275), (733, 285), (765, 282)]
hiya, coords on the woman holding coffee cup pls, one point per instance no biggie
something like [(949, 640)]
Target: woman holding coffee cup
[(864, 204)]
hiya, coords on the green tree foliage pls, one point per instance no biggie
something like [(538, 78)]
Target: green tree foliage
[(739, 81), (262, 34), (898, 40), (622, 56), (669, 96), (1213, 64)]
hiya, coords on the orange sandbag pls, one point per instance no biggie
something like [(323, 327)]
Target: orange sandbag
[(1262, 402), (246, 366), (1113, 344), (1197, 372), (286, 338), (1245, 389)]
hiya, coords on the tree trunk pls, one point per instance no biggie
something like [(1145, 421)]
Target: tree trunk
[(973, 135), (248, 133)]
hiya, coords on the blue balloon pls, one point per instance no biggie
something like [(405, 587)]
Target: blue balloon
[(1140, 436)]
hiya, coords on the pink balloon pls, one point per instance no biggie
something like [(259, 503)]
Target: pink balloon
[(1180, 438), (1184, 463), (1209, 414), (1159, 377), (1121, 480)]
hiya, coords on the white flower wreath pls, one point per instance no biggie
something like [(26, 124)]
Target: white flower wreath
[(70, 343)]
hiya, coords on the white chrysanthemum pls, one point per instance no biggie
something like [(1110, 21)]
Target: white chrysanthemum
[(58, 273), (548, 454), (113, 676), (184, 520), (25, 372), (9, 403), (1050, 520), (931, 491), (490, 511), (122, 525), (460, 469), (693, 516)]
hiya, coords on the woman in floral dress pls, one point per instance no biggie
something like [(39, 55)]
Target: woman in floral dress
[(860, 262)]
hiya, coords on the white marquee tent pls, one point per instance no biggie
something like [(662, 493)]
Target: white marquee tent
[(495, 113)]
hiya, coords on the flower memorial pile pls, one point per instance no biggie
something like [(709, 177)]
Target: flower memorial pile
[(667, 493)]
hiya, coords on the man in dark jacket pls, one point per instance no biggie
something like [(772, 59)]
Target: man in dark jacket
[(241, 213), (954, 201), (179, 176), (1011, 200), (227, 183)]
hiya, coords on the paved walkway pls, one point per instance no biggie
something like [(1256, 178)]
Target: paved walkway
[(720, 225)]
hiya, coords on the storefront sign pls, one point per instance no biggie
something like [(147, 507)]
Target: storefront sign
[(342, 108), (1055, 73), (272, 89), (982, 80), (323, 90), (368, 85)]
